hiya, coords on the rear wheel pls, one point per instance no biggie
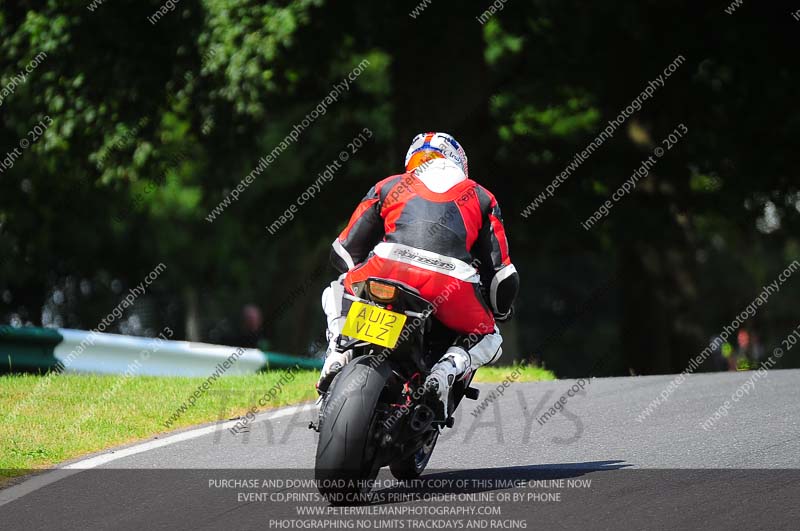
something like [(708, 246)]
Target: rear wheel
[(345, 462), (412, 466)]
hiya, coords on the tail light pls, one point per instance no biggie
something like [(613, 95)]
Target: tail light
[(381, 292)]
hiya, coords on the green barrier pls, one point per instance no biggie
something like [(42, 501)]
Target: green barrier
[(28, 349), (276, 360)]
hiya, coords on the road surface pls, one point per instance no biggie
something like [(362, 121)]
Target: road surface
[(665, 470)]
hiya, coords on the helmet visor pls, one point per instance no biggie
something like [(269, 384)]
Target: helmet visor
[(421, 157)]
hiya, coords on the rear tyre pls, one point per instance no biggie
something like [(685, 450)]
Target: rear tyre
[(412, 466), (345, 462)]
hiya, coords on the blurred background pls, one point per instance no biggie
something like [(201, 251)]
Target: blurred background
[(143, 116)]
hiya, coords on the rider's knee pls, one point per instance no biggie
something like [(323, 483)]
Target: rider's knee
[(483, 349)]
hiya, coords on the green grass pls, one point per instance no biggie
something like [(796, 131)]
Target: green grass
[(44, 425), (529, 373), (70, 417)]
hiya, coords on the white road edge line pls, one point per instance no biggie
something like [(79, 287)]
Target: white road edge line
[(26, 487)]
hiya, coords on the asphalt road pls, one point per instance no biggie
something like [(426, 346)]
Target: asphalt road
[(663, 471)]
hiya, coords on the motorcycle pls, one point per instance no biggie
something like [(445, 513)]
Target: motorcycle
[(377, 411)]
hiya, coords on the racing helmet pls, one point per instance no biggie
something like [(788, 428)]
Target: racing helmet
[(430, 146)]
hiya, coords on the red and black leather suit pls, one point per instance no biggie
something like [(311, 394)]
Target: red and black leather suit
[(433, 241)]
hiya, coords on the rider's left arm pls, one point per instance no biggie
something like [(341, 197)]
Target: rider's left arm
[(491, 248)]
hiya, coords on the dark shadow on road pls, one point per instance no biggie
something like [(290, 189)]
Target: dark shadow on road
[(490, 479)]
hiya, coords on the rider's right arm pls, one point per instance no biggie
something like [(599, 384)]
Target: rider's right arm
[(361, 235)]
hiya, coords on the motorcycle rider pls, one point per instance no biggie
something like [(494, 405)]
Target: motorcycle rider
[(434, 229)]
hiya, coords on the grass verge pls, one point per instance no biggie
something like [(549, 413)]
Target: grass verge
[(528, 373), (74, 415)]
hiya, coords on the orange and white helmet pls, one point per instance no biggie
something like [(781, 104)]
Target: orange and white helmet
[(430, 146)]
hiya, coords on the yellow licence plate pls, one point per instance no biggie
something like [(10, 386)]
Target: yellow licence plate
[(374, 325)]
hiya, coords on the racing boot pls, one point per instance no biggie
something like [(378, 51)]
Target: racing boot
[(334, 362), (444, 374)]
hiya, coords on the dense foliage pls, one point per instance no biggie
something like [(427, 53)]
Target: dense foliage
[(139, 129)]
